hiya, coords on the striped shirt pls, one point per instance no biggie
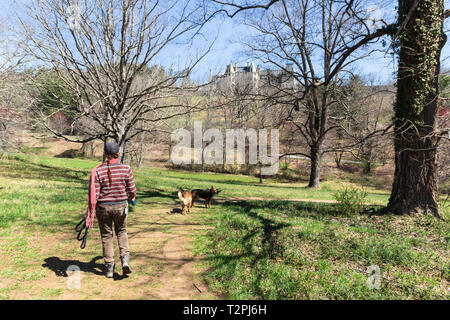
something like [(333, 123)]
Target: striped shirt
[(122, 187)]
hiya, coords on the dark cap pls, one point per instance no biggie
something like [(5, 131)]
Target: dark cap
[(111, 148)]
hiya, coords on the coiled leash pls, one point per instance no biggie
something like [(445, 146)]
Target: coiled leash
[(79, 228)]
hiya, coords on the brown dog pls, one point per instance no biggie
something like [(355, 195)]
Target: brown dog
[(186, 201), (206, 194)]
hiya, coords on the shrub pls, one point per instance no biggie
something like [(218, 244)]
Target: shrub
[(350, 201)]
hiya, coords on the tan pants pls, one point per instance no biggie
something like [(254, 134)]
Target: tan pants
[(106, 215)]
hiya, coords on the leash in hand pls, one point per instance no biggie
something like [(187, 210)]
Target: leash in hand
[(79, 228), (82, 226)]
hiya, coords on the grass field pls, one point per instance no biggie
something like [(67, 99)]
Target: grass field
[(251, 249)]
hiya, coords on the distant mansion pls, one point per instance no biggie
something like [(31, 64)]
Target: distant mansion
[(252, 79)]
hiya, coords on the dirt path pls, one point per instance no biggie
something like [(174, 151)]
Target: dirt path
[(162, 258), (34, 264), (180, 276)]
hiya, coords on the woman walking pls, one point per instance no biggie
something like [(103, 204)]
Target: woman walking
[(110, 187)]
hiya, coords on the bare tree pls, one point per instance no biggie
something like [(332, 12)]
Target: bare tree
[(104, 52), (444, 146), (14, 102), (14, 97), (313, 43), (419, 35), (444, 155), (143, 143), (364, 112)]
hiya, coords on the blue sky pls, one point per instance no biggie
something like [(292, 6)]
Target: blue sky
[(380, 65), (227, 48)]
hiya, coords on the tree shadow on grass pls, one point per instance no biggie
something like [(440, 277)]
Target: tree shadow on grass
[(313, 210), (206, 182), (290, 207), (148, 196), (266, 232), (39, 171)]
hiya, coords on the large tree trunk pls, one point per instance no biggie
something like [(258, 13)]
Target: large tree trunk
[(314, 178), (415, 187), (122, 140), (122, 151)]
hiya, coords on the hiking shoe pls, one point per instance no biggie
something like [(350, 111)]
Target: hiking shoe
[(109, 270), (126, 264)]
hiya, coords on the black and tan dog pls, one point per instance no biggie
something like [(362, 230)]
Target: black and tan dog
[(205, 194)]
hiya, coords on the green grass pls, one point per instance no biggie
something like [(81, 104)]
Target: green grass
[(255, 250), (48, 191), (42, 191), (285, 250), (246, 186), (52, 292)]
